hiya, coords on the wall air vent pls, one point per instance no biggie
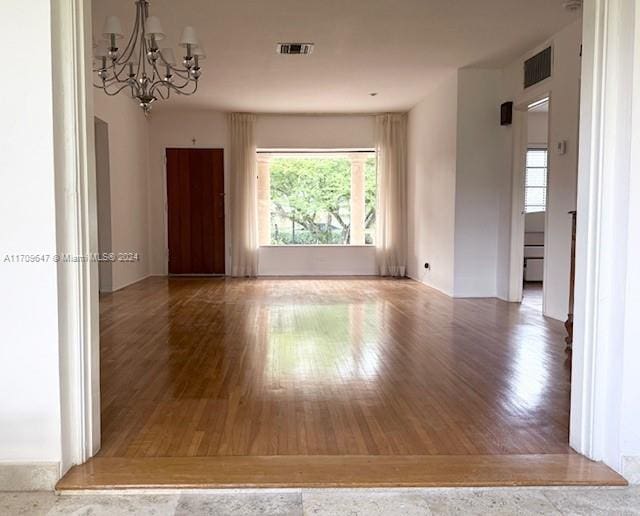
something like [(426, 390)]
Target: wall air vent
[(537, 68), (298, 49)]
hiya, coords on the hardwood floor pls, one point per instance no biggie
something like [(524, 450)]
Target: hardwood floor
[(532, 295), (233, 369), (209, 367)]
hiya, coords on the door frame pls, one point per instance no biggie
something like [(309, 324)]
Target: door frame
[(520, 148), (77, 230), (78, 300), (165, 212), (165, 201)]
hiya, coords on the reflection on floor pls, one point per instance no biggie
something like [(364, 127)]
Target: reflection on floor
[(209, 367), (532, 295)]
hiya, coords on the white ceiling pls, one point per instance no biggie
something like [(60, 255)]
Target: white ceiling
[(396, 48)]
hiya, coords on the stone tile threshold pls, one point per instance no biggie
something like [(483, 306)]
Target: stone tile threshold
[(335, 501)]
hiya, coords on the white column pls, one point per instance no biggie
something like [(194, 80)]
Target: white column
[(605, 406), (357, 198), (264, 201)]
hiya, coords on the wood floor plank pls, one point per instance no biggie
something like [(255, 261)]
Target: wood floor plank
[(339, 471)]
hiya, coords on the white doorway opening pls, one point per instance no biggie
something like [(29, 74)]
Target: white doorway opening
[(536, 169)]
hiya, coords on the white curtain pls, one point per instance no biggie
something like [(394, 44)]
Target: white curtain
[(391, 215), (243, 196)]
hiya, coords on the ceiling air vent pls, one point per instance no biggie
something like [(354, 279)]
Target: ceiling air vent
[(298, 49), (537, 68)]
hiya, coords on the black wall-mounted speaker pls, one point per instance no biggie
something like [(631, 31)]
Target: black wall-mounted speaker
[(506, 113)]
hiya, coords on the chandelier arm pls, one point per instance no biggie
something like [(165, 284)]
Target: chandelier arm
[(144, 51), (183, 74), (162, 95), (111, 80), (131, 44), (116, 72), (177, 70), (135, 88), (178, 89), (187, 93), (157, 76), (140, 64), (117, 91), (180, 86)]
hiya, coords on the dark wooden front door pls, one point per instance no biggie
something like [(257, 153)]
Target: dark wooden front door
[(195, 205)]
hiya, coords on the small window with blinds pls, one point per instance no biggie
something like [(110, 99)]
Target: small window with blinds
[(535, 189)]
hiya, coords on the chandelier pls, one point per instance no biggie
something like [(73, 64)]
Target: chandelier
[(143, 67)]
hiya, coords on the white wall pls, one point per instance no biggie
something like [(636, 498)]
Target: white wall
[(103, 195), (178, 128), (455, 173), (482, 168), (129, 170), (563, 87), (480, 171), (29, 367), (315, 131), (318, 261), (431, 179)]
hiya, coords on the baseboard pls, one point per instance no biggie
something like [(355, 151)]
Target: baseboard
[(132, 282), (434, 287), (631, 470), (29, 476)]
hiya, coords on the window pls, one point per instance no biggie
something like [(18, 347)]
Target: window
[(535, 191), (317, 198)]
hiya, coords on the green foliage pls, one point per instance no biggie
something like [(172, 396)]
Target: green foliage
[(310, 199)]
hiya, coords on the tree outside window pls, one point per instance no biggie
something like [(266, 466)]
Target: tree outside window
[(318, 198)]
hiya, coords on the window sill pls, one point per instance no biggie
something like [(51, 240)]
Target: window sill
[(347, 246)]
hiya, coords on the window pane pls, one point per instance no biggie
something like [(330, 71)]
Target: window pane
[(311, 198), (535, 196), (536, 158), (536, 177)]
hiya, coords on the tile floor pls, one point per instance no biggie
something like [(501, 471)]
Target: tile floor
[(369, 502)]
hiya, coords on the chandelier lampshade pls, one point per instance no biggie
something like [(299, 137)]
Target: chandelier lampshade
[(141, 67), (188, 37)]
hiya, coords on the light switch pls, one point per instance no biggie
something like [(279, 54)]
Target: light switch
[(561, 147)]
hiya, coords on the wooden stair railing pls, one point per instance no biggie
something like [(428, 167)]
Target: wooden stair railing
[(569, 322)]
